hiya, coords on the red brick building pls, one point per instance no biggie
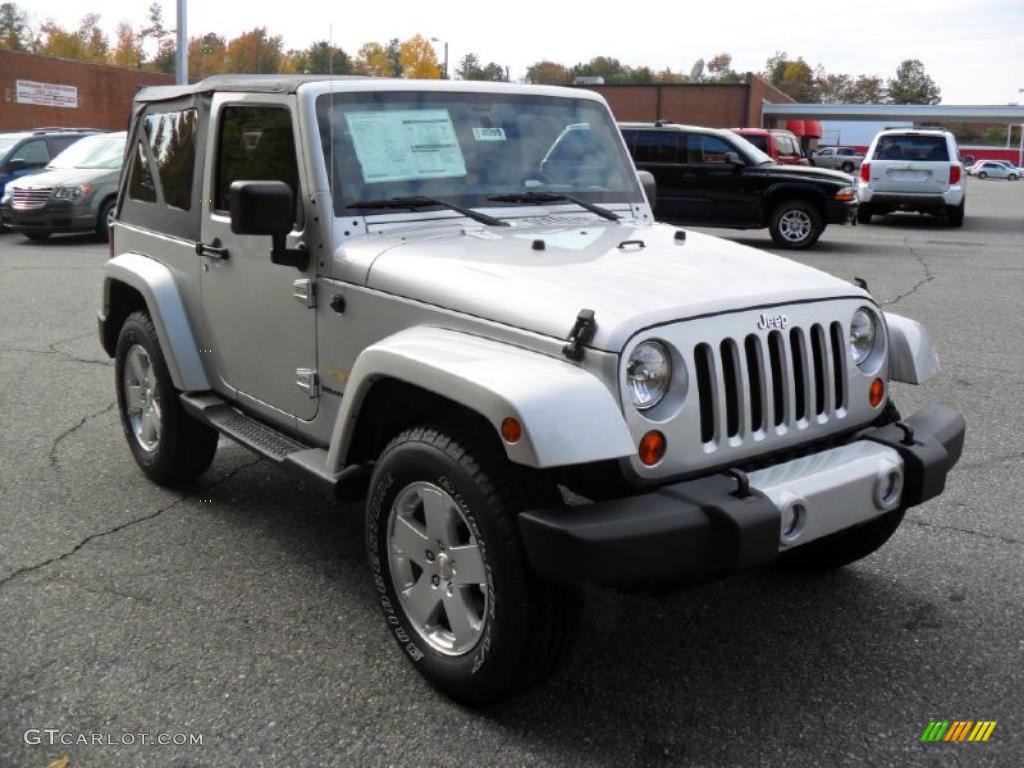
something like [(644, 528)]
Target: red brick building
[(715, 105), (37, 91)]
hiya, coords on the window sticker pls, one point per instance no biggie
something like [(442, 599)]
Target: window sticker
[(406, 145), (489, 134)]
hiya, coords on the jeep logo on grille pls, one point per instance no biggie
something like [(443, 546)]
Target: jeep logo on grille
[(780, 321)]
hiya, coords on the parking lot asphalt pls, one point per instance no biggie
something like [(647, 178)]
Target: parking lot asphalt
[(241, 609)]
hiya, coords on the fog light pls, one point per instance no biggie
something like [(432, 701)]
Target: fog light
[(876, 393), (652, 447), (511, 430)]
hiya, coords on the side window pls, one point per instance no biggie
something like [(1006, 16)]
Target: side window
[(657, 147), (59, 143), (705, 149), (255, 143), (34, 153), (172, 139), (141, 185)]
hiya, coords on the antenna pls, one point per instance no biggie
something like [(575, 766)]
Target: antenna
[(330, 126), (697, 71)]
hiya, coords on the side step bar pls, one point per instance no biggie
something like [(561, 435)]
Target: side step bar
[(309, 462)]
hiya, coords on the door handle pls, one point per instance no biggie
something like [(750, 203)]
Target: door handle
[(213, 250)]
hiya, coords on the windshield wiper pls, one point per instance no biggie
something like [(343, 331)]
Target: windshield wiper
[(554, 197), (412, 203)]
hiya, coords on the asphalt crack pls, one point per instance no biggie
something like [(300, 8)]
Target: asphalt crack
[(54, 460), (968, 531), (928, 276), (122, 526)]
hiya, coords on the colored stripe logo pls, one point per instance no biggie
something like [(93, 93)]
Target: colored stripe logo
[(958, 730)]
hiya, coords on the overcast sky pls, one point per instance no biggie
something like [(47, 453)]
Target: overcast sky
[(973, 49)]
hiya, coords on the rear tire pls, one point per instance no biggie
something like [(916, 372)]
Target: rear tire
[(1012, 177), (795, 224), (864, 214), (847, 167), (955, 214), (476, 638), (982, 174), (167, 444)]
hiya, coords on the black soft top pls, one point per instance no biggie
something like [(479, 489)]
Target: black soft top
[(235, 83)]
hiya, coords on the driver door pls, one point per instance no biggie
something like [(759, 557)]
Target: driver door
[(258, 317)]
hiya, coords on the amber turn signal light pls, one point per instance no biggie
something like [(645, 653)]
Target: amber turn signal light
[(511, 430), (876, 393), (652, 447)]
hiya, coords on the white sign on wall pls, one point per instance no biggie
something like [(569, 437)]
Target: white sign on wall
[(46, 94)]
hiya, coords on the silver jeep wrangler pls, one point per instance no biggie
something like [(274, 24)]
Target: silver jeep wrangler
[(450, 299)]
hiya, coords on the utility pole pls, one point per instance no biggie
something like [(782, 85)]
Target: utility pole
[(181, 54)]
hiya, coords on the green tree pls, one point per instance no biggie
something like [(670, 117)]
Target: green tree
[(321, 58), (547, 73), (469, 68), (207, 55), (609, 68), (867, 89), (720, 69), (394, 54), (87, 43), (912, 85), (15, 33), (255, 52)]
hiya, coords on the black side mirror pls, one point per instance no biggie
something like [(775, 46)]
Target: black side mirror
[(267, 208), (733, 158), (650, 185), (16, 165)]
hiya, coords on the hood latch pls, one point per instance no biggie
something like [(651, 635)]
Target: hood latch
[(582, 332)]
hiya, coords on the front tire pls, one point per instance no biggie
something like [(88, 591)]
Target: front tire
[(1012, 177), (983, 174), (847, 167), (103, 220), (864, 214), (955, 214), (167, 444), (450, 570), (37, 237), (795, 224)]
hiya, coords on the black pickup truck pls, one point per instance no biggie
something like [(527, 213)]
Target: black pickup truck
[(718, 179)]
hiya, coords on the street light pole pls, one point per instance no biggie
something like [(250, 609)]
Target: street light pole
[(444, 72), (181, 54)]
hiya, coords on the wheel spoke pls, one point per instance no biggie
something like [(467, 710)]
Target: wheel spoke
[(437, 514), (135, 364), (410, 541), (133, 398), (421, 600), (458, 616), (469, 565), (150, 427)]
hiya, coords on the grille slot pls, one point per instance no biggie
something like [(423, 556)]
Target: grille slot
[(787, 380), (27, 199)]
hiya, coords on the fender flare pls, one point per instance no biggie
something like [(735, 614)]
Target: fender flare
[(568, 415), (913, 356), (780, 189), (155, 282)]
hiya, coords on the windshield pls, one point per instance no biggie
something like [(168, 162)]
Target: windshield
[(467, 147), (6, 142), (752, 153), (101, 151)]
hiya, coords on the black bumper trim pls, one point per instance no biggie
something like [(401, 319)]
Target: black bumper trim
[(702, 527)]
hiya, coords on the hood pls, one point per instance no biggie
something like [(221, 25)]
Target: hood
[(65, 177), (632, 276), (809, 172)]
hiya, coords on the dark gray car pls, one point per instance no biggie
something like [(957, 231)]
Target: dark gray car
[(75, 193)]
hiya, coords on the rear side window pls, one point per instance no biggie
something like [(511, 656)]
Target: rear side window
[(897, 147), (141, 185), (60, 143), (657, 146), (256, 143), (172, 138)]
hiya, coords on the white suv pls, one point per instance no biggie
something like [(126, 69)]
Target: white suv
[(912, 170)]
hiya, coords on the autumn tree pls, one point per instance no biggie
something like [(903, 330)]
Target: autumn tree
[(87, 43), (667, 76), (912, 85), (470, 68), (372, 59), (15, 33), (128, 48), (547, 73), (321, 58), (419, 59), (720, 69), (207, 55), (255, 53)]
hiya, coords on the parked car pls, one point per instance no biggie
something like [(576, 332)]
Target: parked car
[(26, 152), (75, 193), (781, 145), (717, 178), (995, 169), (845, 159), (912, 170), (450, 299)]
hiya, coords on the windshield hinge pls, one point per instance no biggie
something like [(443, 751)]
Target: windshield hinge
[(305, 291), (582, 332)]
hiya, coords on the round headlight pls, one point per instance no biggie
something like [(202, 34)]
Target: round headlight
[(863, 332), (648, 372)]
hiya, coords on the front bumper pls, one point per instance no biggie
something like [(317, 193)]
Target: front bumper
[(837, 212), (55, 216), (710, 526)]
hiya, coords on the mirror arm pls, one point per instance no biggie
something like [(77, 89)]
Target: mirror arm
[(297, 257)]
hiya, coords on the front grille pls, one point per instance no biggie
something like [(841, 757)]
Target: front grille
[(23, 199), (748, 388)]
